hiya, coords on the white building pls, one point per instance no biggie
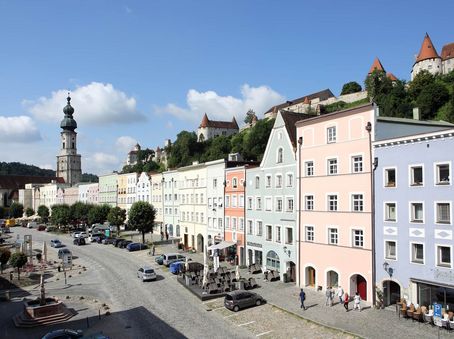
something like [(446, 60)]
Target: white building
[(143, 188), (215, 200), (171, 204), (210, 128)]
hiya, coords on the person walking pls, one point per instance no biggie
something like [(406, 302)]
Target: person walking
[(328, 295), (340, 294), (346, 300), (153, 250), (357, 302), (302, 299)]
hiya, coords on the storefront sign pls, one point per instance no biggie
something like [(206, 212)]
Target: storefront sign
[(437, 310), (447, 276), (254, 244)]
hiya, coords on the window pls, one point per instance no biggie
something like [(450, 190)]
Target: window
[(249, 203), (416, 176), (227, 222), (201, 198), (331, 134), (309, 231), (258, 204), (234, 182), (443, 213), (309, 168), (259, 228), (250, 227), (332, 236), (234, 197), (357, 202), (227, 201), (309, 202), (278, 233), (278, 181), (269, 232), (280, 156), (357, 163), (390, 211), (332, 202), (241, 201), (278, 204), (288, 235), (257, 182), (268, 181), (201, 217), (215, 183), (390, 250), (417, 253), (442, 172), (289, 207), (332, 166), (444, 256), (268, 203), (241, 224), (289, 180), (390, 177), (219, 223), (358, 238), (234, 222), (417, 214)]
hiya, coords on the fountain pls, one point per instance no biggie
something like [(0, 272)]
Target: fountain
[(43, 310)]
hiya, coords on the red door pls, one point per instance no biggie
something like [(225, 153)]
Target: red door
[(361, 285)]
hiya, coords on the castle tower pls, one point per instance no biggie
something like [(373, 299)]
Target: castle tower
[(427, 59), (68, 161)]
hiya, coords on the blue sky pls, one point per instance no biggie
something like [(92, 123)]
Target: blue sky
[(145, 70)]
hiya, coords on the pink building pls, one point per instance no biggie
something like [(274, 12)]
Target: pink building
[(234, 209), (334, 164)]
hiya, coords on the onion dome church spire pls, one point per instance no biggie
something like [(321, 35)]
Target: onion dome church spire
[(68, 122)]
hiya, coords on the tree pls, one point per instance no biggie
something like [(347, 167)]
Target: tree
[(141, 217), (183, 149), (98, 214), (61, 214), (351, 87), (217, 148), (116, 216), (431, 99), (43, 212), (79, 212), (16, 210), (255, 141), (18, 260), (249, 116), (5, 254), (29, 212)]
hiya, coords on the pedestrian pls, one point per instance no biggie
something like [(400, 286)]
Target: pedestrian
[(162, 236), (302, 299), (340, 293), (167, 235), (328, 294), (153, 249), (346, 300), (357, 302)]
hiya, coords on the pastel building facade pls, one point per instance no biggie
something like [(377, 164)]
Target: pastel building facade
[(131, 186), (122, 187), (171, 204), (71, 195), (93, 193), (143, 188), (213, 201), (108, 191), (414, 224), (157, 198)]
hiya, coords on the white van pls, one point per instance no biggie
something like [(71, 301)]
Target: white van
[(32, 224), (172, 257)]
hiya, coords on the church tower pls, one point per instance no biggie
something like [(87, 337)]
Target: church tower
[(68, 161)]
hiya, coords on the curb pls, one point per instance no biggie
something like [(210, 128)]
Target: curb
[(316, 322)]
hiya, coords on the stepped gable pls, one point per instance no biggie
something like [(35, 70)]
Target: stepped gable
[(218, 124), (447, 52), (427, 50), (290, 119), (376, 65), (322, 95)]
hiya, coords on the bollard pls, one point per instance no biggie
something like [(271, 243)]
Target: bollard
[(99, 314), (88, 323), (11, 276)]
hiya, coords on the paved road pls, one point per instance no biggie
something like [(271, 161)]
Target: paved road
[(159, 309)]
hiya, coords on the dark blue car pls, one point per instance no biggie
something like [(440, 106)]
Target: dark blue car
[(136, 246), (176, 267)]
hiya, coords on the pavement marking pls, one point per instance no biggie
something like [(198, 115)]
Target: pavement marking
[(231, 315), (248, 323), (263, 333), (217, 308)]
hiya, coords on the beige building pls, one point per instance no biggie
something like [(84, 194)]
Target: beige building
[(157, 200)]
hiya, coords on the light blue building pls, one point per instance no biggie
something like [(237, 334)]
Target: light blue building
[(414, 198)]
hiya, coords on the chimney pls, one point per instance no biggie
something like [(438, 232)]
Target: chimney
[(416, 114)]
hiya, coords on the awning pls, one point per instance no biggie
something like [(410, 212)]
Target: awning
[(221, 245)]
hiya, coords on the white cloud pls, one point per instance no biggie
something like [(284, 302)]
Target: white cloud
[(125, 144), (100, 163), (95, 103), (20, 129), (224, 107)]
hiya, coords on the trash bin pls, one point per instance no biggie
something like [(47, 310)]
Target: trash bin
[(285, 278)]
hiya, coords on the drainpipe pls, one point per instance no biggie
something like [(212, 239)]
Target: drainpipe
[(298, 265)]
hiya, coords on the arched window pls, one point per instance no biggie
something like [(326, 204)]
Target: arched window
[(272, 261), (280, 155), (234, 183)]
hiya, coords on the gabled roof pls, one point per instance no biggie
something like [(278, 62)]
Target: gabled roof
[(19, 181), (391, 76), (218, 124), (322, 95), (448, 51), (427, 50), (376, 65), (290, 119)]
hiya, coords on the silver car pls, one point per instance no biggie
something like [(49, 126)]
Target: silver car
[(146, 273)]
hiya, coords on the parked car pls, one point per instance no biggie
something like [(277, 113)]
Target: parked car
[(172, 257), (240, 299), (56, 243), (50, 228), (117, 241), (176, 267), (124, 243), (95, 237), (136, 246), (146, 273), (82, 235), (107, 241), (62, 252), (32, 224), (64, 334), (159, 259), (79, 241), (42, 227)]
